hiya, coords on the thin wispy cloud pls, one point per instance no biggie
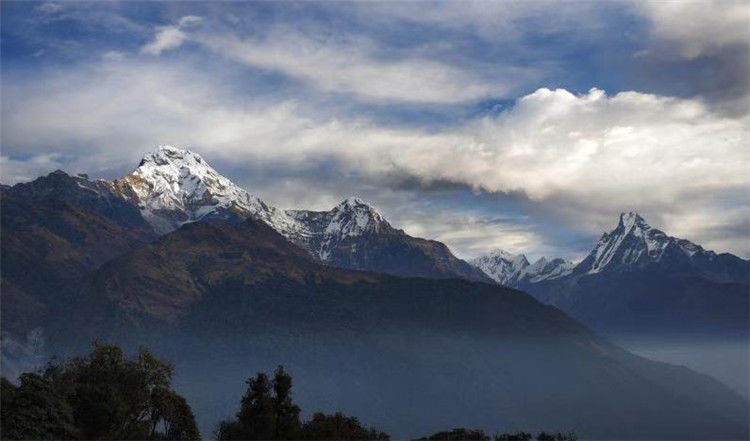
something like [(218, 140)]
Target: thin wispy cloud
[(352, 66)]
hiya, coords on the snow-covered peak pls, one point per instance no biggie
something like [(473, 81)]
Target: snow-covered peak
[(632, 220), (503, 255), (167, 154), (502, 266), (321, 231), (173, 186), (351, 202), (353, 217), (547, 269), (635, 242)]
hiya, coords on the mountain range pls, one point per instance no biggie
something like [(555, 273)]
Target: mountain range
[(172, 187), (177, 257), (637, 279)]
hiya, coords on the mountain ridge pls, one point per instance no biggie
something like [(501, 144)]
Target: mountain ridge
[(638, 280), (174, 186)]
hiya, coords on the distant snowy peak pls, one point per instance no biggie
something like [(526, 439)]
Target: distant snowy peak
[(502, 266), (320, 231), (353, 217), (513, 269), (635, 243), (174, 186), (547, 269)]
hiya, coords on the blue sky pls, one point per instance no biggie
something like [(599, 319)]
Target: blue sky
[(526, 126)]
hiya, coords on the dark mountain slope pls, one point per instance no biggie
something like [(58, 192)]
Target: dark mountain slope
[(407, 354), (57, 230)]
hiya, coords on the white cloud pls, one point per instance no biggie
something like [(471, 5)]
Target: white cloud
[(352, 66), (167, 37), (49, 8), (593, 154), (170, 36)]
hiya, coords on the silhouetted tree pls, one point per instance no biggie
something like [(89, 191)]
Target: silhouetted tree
[(104, 395), (519, 436), (458, 434), (338, 427), (287, 413), (35, 410), (257, 416), (269, 416)]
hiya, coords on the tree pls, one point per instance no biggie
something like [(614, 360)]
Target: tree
[(35, 409), (519, 436), (257, 412), (338, 427), (287, 413), (103, 395), (266, 415), (459, 434)]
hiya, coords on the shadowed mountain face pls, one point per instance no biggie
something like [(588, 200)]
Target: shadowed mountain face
[(406, 354), (57, 230), (639, 281)]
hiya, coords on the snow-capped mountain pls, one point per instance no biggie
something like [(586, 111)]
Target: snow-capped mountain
[(321, 231), (355, 235), (502, 266), (172, 186), (512, 270), (637, 279), (547, 269), (634, 244)]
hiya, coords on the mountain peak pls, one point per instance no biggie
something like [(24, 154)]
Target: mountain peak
[(166, 154), (352, 201), (173, 186), (635, 243), (502, 266), (632, 219), (353, 216)]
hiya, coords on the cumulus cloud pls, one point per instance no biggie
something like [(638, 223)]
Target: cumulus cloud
[(170, 37), (590, 155)]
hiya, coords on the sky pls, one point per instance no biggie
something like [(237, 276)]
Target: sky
[(523, 126)]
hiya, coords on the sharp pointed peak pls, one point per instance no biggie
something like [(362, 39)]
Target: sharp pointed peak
[(631, 218)]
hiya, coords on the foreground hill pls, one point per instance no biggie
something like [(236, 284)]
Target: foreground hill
[(56, 231), (405, 353)]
